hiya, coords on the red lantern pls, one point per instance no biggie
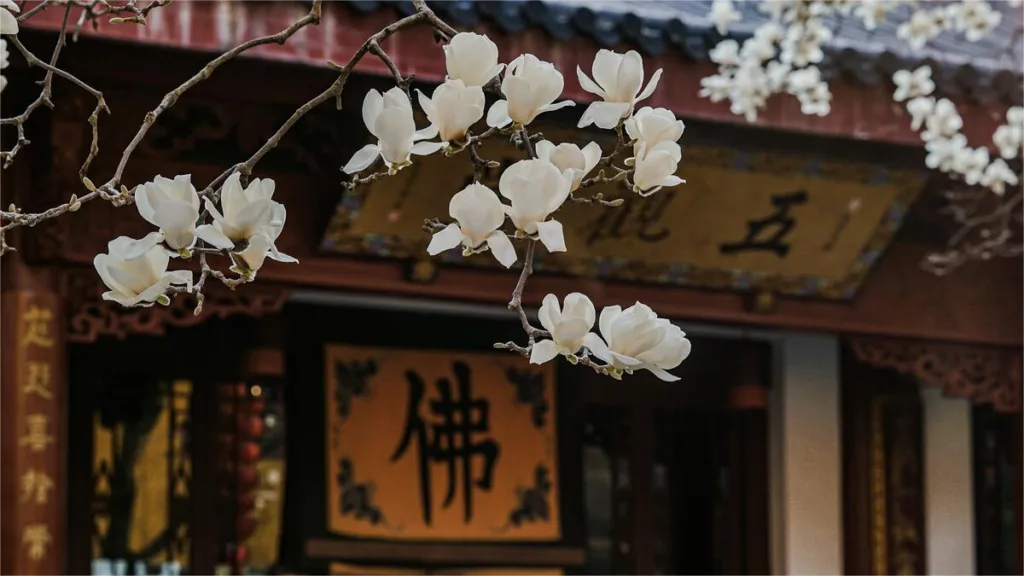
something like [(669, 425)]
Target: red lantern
[(246, 526), (241, 556), (248, 477), (248, 452)]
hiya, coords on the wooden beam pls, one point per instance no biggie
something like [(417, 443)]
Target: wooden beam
[(486, 554)]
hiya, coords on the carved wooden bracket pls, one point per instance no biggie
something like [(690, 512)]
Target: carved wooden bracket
[(983, 375), (90, 317)]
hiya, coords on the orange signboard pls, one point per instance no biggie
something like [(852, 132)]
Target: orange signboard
[(440, 445)]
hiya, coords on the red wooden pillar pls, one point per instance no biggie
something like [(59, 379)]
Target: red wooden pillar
[(33, 384)]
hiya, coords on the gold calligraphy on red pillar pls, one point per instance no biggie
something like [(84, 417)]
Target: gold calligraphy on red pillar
[(34, 384)]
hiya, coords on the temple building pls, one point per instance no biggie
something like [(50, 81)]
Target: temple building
[(842, 410)]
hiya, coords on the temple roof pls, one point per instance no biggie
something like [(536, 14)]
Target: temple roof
[(989, 69)]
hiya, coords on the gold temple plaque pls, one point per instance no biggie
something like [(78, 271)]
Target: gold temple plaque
[(784, 223), (440, 445)]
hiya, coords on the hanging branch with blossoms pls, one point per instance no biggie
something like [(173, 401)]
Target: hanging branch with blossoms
[(985, 191), (235, 217)]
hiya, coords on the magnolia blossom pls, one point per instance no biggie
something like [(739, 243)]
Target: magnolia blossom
[(472, 59), (568, 157), (723, 14), (172, 206), (971, 162), (975, 19), (8, 22), (944, 121), (617, 80), (656, 167), (652, 126), (943, 152), (913, 84), (636, 339), (3, 62), (536, 188), (919, 29), (1009, 137), (453, 108), (997, 175), (920, 109), (568, 326), (389, 118), (480, 215), (140, 280), (250, 215), (530, 87)]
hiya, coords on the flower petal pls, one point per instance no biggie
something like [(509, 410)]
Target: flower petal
[(551, 236), (8, 23), (604, 115), (589, 85), (446, 239), (373, 103), (591, 156), (662, 374), (672, 181), (605, 69), (557, 106), (543, 351), (497, 116), (502, 248), (608, 316), (362, 159), (214, 237), (425, 148), (651, 86), (426, 104), (138, 248), (550, 312), (597, 347), (425, 133), (544, 149)]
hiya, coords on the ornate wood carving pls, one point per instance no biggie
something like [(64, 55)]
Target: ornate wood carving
[(983, 375), (90, 317)]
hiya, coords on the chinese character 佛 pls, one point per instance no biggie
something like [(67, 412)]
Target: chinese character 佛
[(35, 330), (35, 485), (37, 380), (456, 435), (36, 537), (36, 439)]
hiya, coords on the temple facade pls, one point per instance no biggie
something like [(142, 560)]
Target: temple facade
[(842, 411)]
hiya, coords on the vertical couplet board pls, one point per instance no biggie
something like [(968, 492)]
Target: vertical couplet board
[(440, 446), (33, 405)]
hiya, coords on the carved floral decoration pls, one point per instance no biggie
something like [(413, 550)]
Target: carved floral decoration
[(983, 375)]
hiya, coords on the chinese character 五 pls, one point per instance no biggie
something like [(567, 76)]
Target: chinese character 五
[(36, 439), (38, 380)]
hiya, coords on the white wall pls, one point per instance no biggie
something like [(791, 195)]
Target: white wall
[(948, 497), (806, 456)]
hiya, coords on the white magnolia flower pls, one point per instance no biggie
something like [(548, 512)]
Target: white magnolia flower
[(913, 84), (944, 121), (652, 126), (1008, 139), (568, 157), (453, 108), (871, 12), (480, 215), (758, 48), (3, 62), (997, 176), (8, 22), (389, 118), (803, 80), (250, 215), (530, 87), (471, 58), (723, 14), (716, 87), (918, 29), (1015, 116), (777, 74), (536, 188), (173, 207), (971, 162), (636, 339), (943, 152), (656, 167), (816, 101), (976, 19), (920, 109), (726, 53), (140, 280), (568, 326), (617, 80)]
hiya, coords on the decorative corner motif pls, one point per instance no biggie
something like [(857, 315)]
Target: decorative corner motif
[(357, 499), (90, 317), (983, 375), (351, 381), (530, 387), (531, 502)]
